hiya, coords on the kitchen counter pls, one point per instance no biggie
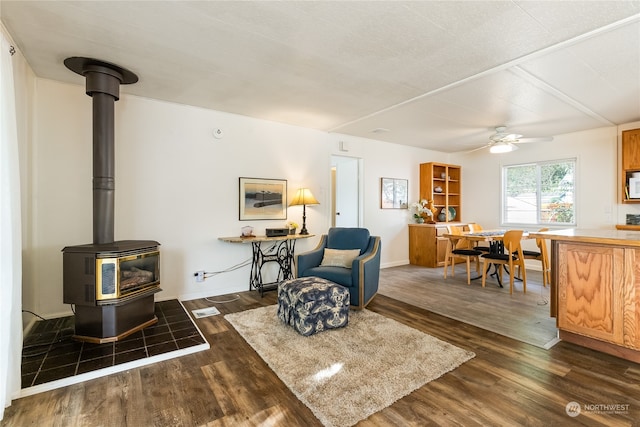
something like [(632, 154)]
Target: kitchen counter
[(603, 236), (595, 288)]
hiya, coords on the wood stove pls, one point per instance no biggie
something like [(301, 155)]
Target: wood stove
[(111, 283), (110, 273)]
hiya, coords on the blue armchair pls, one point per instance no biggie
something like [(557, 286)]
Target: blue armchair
[(351, 259)]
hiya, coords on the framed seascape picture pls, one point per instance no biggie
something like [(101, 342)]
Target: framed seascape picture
[(394, 193), (262, 198)]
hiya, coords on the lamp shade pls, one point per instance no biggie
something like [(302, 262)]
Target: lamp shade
[(303, 197)]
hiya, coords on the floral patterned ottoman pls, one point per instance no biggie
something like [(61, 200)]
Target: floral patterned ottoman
[(313, 304)]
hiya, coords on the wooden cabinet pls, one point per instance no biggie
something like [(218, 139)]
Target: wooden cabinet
[(598, 293), (630, 162), (427, 246), (442, 183)]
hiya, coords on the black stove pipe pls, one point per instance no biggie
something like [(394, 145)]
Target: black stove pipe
[(103, 82)]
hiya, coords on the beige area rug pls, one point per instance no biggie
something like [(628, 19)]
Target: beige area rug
[(345, 375)]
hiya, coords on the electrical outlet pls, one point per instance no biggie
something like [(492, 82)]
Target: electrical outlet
[(199, 276)]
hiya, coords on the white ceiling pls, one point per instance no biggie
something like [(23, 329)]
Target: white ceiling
[(440, 75)]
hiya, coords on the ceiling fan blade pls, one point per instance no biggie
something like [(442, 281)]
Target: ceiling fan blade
[(477, 149), (502, 141), (528, 140)]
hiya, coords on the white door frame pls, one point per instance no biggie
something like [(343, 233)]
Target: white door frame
[(355, 171)]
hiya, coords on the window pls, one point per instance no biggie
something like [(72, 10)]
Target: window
[(539, 193)]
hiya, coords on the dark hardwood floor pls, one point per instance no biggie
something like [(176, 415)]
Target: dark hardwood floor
[(522, 316), (508, 383)]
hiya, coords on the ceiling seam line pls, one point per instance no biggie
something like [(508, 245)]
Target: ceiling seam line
[(505, 66), (546, 87)]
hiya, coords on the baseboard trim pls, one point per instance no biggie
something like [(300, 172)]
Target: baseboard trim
[(394, 264), (604, 347)]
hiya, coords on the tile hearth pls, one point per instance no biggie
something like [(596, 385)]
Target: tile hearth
[(49, 353)]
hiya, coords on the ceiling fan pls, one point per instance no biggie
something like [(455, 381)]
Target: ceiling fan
[(503, 141)]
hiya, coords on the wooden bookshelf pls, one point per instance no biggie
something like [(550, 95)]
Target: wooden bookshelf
[(442, 183)]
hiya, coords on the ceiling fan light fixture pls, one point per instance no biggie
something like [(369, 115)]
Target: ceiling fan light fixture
[(502, 147)]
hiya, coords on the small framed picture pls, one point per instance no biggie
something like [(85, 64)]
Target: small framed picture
[(262, 198), (394, 193)]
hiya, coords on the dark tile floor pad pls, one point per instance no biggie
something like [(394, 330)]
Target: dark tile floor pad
[(49, 353)]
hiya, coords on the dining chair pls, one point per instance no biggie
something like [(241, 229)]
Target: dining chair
[(512, 257), (542, 255), (459, 247), (474, 227)]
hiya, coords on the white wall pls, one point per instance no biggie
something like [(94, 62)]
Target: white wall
[(596, 180), (384, 160), (176, 184)]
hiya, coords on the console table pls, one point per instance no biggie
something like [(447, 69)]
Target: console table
[(281, 251)]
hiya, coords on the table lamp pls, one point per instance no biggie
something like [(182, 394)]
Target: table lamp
[(304, 197)]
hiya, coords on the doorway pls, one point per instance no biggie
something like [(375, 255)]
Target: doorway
[(346, 192)]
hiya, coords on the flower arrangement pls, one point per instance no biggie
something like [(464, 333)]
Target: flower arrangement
[(421, 209), (292, 225)]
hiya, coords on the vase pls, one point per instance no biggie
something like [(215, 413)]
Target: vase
[(442, 217), (292, 231), (419, 220)]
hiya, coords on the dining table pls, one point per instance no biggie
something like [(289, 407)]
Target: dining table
[(493, 237)]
